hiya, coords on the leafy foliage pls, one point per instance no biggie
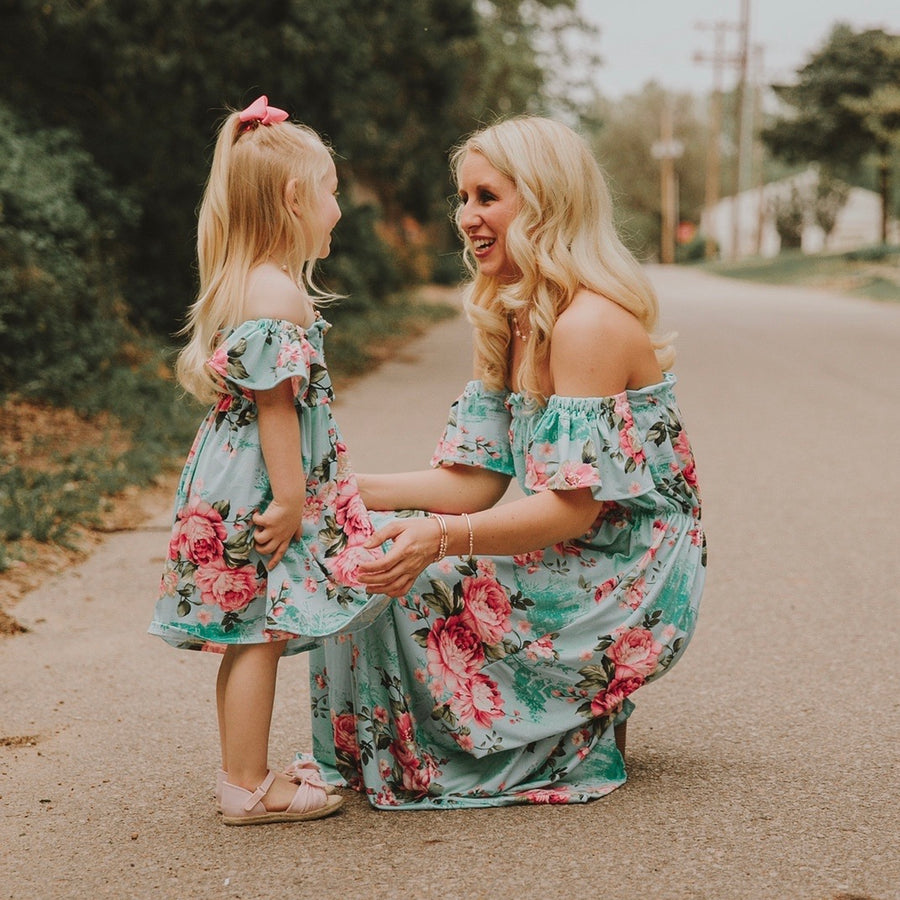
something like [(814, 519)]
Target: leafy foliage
[(61, 314), (844, 107)]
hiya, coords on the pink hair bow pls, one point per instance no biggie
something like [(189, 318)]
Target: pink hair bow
[(260, 113)]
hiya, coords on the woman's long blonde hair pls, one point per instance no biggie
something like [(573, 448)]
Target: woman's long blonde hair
[(245, 216), (562, 239)]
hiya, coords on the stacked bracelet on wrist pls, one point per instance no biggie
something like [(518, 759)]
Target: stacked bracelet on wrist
[(442, 546), (471, 536)]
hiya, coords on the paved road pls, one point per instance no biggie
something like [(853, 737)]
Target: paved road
[(764, 766)]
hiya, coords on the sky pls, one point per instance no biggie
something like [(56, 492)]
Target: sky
[(643, 40)]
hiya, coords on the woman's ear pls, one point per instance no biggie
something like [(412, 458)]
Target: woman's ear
[(290, 196)]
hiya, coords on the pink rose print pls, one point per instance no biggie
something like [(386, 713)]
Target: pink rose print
[(218, 362), (168, 584), (605, 589), (634, 593), (542, 648), (611, 697), (345, 741), (454, 654), (486, 567), (571, 474), (345, 566), (535, 474), (628, 438), (199, 534), (548, 795), (486, 609), (351, 513), (635, 654), (464, 741), (291, 354), (229, 589), (529, 561), (478, 701), (417, 771)]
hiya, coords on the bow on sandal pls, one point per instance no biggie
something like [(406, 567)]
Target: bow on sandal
[(293, 771), (242, 807)]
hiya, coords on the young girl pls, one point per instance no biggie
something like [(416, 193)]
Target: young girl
[(269, 525)]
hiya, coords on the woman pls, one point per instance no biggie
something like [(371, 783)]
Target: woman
[(500, 673)]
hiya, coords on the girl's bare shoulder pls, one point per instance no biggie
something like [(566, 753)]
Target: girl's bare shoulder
[(272, 294)]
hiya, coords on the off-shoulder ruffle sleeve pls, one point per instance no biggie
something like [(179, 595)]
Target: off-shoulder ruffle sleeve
[(588, 442), (477, 432), (261, 353)]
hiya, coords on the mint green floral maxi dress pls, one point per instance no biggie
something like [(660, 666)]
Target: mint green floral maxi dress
[(498, 680), (215, 589)]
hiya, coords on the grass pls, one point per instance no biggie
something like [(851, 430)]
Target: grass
[(872, 272), (61, 469)]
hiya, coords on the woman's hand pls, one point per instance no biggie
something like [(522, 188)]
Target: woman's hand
[(416, 543), (275, 529)]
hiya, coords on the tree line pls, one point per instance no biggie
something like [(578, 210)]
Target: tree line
[(107, 112)]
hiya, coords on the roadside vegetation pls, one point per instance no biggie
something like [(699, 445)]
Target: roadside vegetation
[(872, 272), (103, 155)]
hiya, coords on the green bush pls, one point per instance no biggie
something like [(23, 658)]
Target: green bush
[(61, 319)]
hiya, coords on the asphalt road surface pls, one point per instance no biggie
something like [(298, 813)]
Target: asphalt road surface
[(765, 765)]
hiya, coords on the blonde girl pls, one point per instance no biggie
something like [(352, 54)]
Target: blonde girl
[(268, 524)]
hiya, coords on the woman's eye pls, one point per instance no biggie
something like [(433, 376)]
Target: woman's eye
[(486, 197)]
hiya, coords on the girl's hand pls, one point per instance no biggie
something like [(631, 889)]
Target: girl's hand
[(416, 543), (275, 529)]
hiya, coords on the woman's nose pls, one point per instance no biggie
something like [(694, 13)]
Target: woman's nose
[(467, 217)]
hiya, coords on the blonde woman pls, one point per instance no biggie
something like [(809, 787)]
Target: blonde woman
[(503, 672)]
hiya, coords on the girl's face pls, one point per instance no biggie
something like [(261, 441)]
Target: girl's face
[(490, 202), (326, 209)]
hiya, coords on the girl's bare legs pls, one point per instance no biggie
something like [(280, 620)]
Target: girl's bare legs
[(245, 695)]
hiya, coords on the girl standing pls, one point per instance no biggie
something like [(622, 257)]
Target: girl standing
[(269, 525)]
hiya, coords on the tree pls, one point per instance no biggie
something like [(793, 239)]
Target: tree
[(843, 108), (829, 199), (391, 83), (623, 142)]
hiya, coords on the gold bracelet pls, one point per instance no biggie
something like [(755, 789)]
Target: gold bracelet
[(442, 546), (471, 535)]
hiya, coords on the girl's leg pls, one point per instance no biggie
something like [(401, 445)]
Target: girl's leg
[(221, 687), (248, 695)]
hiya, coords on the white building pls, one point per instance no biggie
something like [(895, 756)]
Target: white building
[(858, 223)]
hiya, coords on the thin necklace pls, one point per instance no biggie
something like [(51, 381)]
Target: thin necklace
[(515, 324)]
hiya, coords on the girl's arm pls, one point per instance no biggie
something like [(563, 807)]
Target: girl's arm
[(450, 489), (279, 437), (530, 523)]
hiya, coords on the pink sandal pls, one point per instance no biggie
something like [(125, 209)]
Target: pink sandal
[(242, 807), (294, 771)]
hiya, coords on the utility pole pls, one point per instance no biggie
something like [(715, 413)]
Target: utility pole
[(719, 60), (743, 54), (667, 150), (714, 134), (758, 154)]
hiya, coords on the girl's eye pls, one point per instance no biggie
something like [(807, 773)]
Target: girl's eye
[(486, 197)]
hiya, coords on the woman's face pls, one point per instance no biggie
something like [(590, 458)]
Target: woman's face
[(489, 204)]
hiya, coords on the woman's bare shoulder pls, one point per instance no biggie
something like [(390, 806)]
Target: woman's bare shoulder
[(598, 348)]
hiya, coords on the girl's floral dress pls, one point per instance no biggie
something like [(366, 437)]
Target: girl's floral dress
[(498, 680), (215, 589)]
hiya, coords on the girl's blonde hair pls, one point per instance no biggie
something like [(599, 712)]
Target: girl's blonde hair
[(561, 239), (245, 216)]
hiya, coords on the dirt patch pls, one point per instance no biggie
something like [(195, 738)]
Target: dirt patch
[(40, 436)]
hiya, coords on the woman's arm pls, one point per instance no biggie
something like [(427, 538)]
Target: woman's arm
[(450, 489), (531, 523), (279, 437)]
